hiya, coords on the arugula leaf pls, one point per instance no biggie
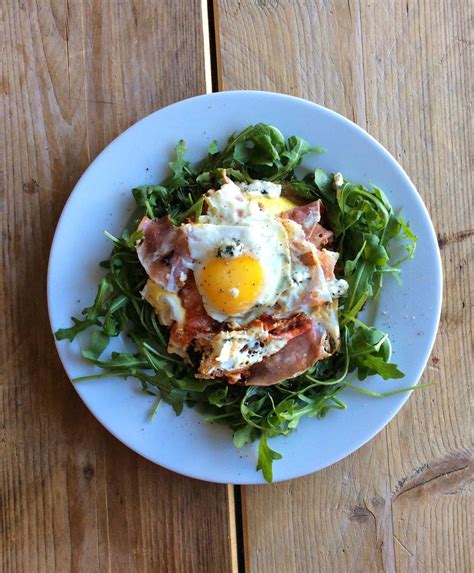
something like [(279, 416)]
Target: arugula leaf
[(179, 168), (153, 197), (322, 181), (373, 394), (263, 152), (266, 457), (154, 410), (205, 179), (91, 313), (243, 436), (296, 149), (129, 362), (213, 148), (71, 332), (369, 352), (194, 211), (267, 142), (99, 342), (300, 190), (218, 397), (377, 365)]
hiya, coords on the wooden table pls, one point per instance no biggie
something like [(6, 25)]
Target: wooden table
[(77, 73)]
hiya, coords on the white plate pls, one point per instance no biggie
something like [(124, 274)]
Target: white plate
[(102, 200)]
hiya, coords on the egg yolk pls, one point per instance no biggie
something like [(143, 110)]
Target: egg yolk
[(232, 285), (274, 205)]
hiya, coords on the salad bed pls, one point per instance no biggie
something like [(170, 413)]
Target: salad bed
[(364, 226)]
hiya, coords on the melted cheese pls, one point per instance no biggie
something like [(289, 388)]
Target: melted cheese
[(167, 305)]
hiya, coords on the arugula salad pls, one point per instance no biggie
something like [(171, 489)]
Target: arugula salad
[(240, 281)]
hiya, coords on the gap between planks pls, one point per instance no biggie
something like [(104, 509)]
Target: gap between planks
[(213, 75), (212, 52), (236, 529)]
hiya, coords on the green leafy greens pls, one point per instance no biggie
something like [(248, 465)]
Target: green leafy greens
[(364, 226)]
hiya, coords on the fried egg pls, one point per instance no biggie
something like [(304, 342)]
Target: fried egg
[(259, 188), (233, 203), (267, 195), (228, 205), (240, 270), (240, 255)]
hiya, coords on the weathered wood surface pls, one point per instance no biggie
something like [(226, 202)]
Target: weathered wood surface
[(401, 70), (76, 74)]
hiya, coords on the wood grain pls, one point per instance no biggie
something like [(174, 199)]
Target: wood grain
[(400, 70), (72, 498)]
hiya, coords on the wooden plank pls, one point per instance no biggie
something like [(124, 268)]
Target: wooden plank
[(73, 498), (422, 116), (399, 69)]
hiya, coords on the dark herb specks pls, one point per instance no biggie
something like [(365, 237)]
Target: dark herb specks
[(230, 248)]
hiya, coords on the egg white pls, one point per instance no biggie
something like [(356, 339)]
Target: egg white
[(260, 188)]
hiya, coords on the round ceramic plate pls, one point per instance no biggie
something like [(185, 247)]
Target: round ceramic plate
[(102, 201)]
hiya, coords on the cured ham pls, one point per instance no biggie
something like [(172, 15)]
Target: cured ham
[(196, 320), (308, 216), (285, 328), (164, 253), (299, 354)]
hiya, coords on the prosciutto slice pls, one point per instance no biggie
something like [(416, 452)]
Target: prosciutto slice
[(196, 321), (327, 261), (299, 354), (308, 216), (164, 253), (284, 328)]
